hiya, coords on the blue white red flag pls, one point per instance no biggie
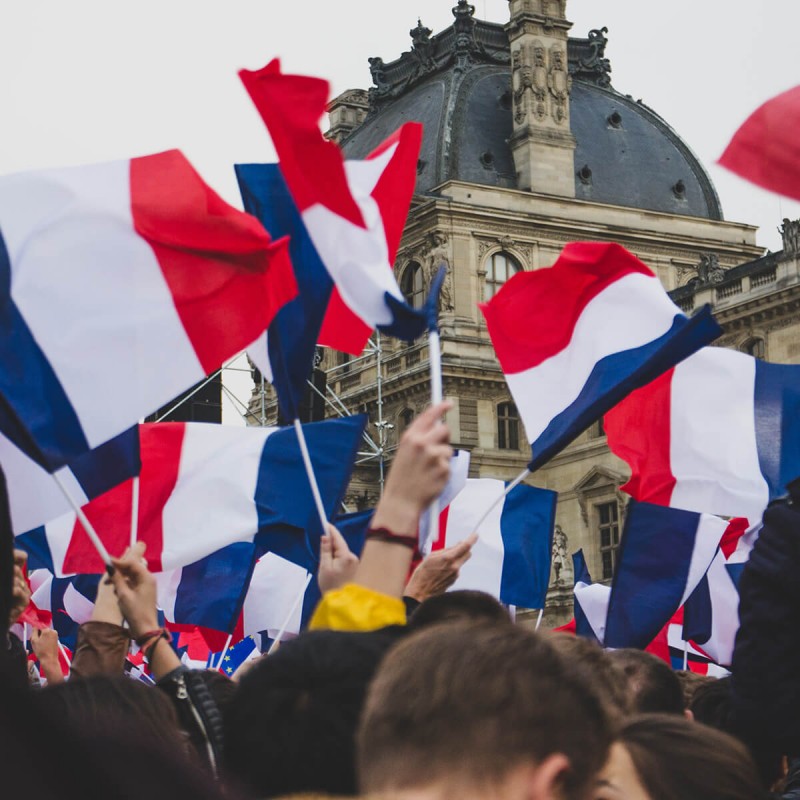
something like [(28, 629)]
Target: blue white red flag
[(719, 433), (663, 555), (124, 283), (33, 496), (204, 487), (345, 220), (511, 559), (576, 338), (590, 602)]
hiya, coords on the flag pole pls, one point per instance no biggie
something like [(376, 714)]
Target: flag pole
[(224, 650), (312, 478), (135, 510), (685, 654), (63, 652), (539, 619), (87, 526), (289, 616)]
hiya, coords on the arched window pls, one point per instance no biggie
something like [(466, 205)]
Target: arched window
[(499, 268), (404, 419), (507, 426), (755, 347), (412, 285)]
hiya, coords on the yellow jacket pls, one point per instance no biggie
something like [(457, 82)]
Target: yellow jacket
[(356, 608)]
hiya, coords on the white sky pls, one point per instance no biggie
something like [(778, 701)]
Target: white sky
[(91, 80)]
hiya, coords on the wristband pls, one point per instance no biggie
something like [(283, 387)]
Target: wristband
[(385, 535), (142, 640)]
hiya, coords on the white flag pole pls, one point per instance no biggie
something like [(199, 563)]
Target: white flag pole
[(224, 650), (312, 478), (87, 526), (685, 654), (135, 511), (435, 358), (301, 594), (63, 652), (539, 619)]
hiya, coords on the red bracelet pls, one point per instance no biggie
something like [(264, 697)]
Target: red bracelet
[(142, 640), (385, 535)]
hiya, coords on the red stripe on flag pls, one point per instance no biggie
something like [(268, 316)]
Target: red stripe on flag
[(639, 431), (765, 149), (533, 316), (226, 276), (291, 107), (736, 528), (110, 513), (342, 329)]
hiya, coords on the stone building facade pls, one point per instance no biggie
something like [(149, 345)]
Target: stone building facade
[(527, 146)]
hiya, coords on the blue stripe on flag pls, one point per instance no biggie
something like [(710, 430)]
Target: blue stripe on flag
[(616, 376), (108, 465), (651, 573), (582, 576), (35, 412), (526, 526), (735, 571), (697, 614), (36, 545), (294, 331), (777, 423)]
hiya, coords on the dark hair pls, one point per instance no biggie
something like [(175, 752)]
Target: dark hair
[(470, 702), (652, 685), (690, 682), (676, 759), (106, 704), (593, 665), (462, 604), (291, 724)]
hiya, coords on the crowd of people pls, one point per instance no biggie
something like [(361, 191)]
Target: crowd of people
[(400, 690)]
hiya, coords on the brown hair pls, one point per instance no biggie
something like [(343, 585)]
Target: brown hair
[(675, 758), (501, 693), (690, 682)]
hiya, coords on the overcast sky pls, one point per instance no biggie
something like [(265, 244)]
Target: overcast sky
[(91, 80)]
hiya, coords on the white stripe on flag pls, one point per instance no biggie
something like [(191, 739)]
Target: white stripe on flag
[(273, 590), (709, 532), (167, 584), (629, 313), (78, 607), (713, 452), (87, 283)]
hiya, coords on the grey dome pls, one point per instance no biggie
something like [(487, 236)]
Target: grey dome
[(458, 85)]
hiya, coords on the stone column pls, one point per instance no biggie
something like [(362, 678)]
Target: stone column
[(542, 143)]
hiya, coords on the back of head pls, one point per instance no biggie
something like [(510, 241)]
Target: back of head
[(461, 605), (290, 726), (676, 758), (464, 705), (690, 682), (595, 667), (652, 685)]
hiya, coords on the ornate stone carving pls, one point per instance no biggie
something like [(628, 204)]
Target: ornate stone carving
[(790, 232), (529, 79), (709, 270), (422, 48), (434, 254), (562, 563), (376, 69), (559, 83)]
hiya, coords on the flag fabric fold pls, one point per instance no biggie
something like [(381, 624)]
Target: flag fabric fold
[(124, 284), (664, 554), (719, 433), (590, 602), (576, 338)]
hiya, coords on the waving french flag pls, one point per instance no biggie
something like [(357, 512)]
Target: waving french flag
[(344, 219), (123, 284), (33, 496), (663, 556), (719, 433), (511, 559), (203, 487), (574, 339), (590, 602)]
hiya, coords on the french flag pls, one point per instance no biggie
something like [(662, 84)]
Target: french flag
[(345, 220), (203, 487), (719, 433), (511, 559), (33, 496), (590, 602), (124, 284), (663, 555), (576, 338)]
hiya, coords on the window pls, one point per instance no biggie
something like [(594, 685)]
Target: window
[(608, 530), (597, 430), (507, 427), (755, 347), (500, 267), (404, 419), (412, 285), (344, 362)]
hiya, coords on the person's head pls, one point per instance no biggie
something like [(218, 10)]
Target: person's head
[(667, 757), (465, 709), (290, 726), (461, 605), (107, 704), (595, 667), (690, 682), (652, 685)]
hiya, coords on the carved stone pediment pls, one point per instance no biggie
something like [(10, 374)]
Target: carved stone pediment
[(597, 482)]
